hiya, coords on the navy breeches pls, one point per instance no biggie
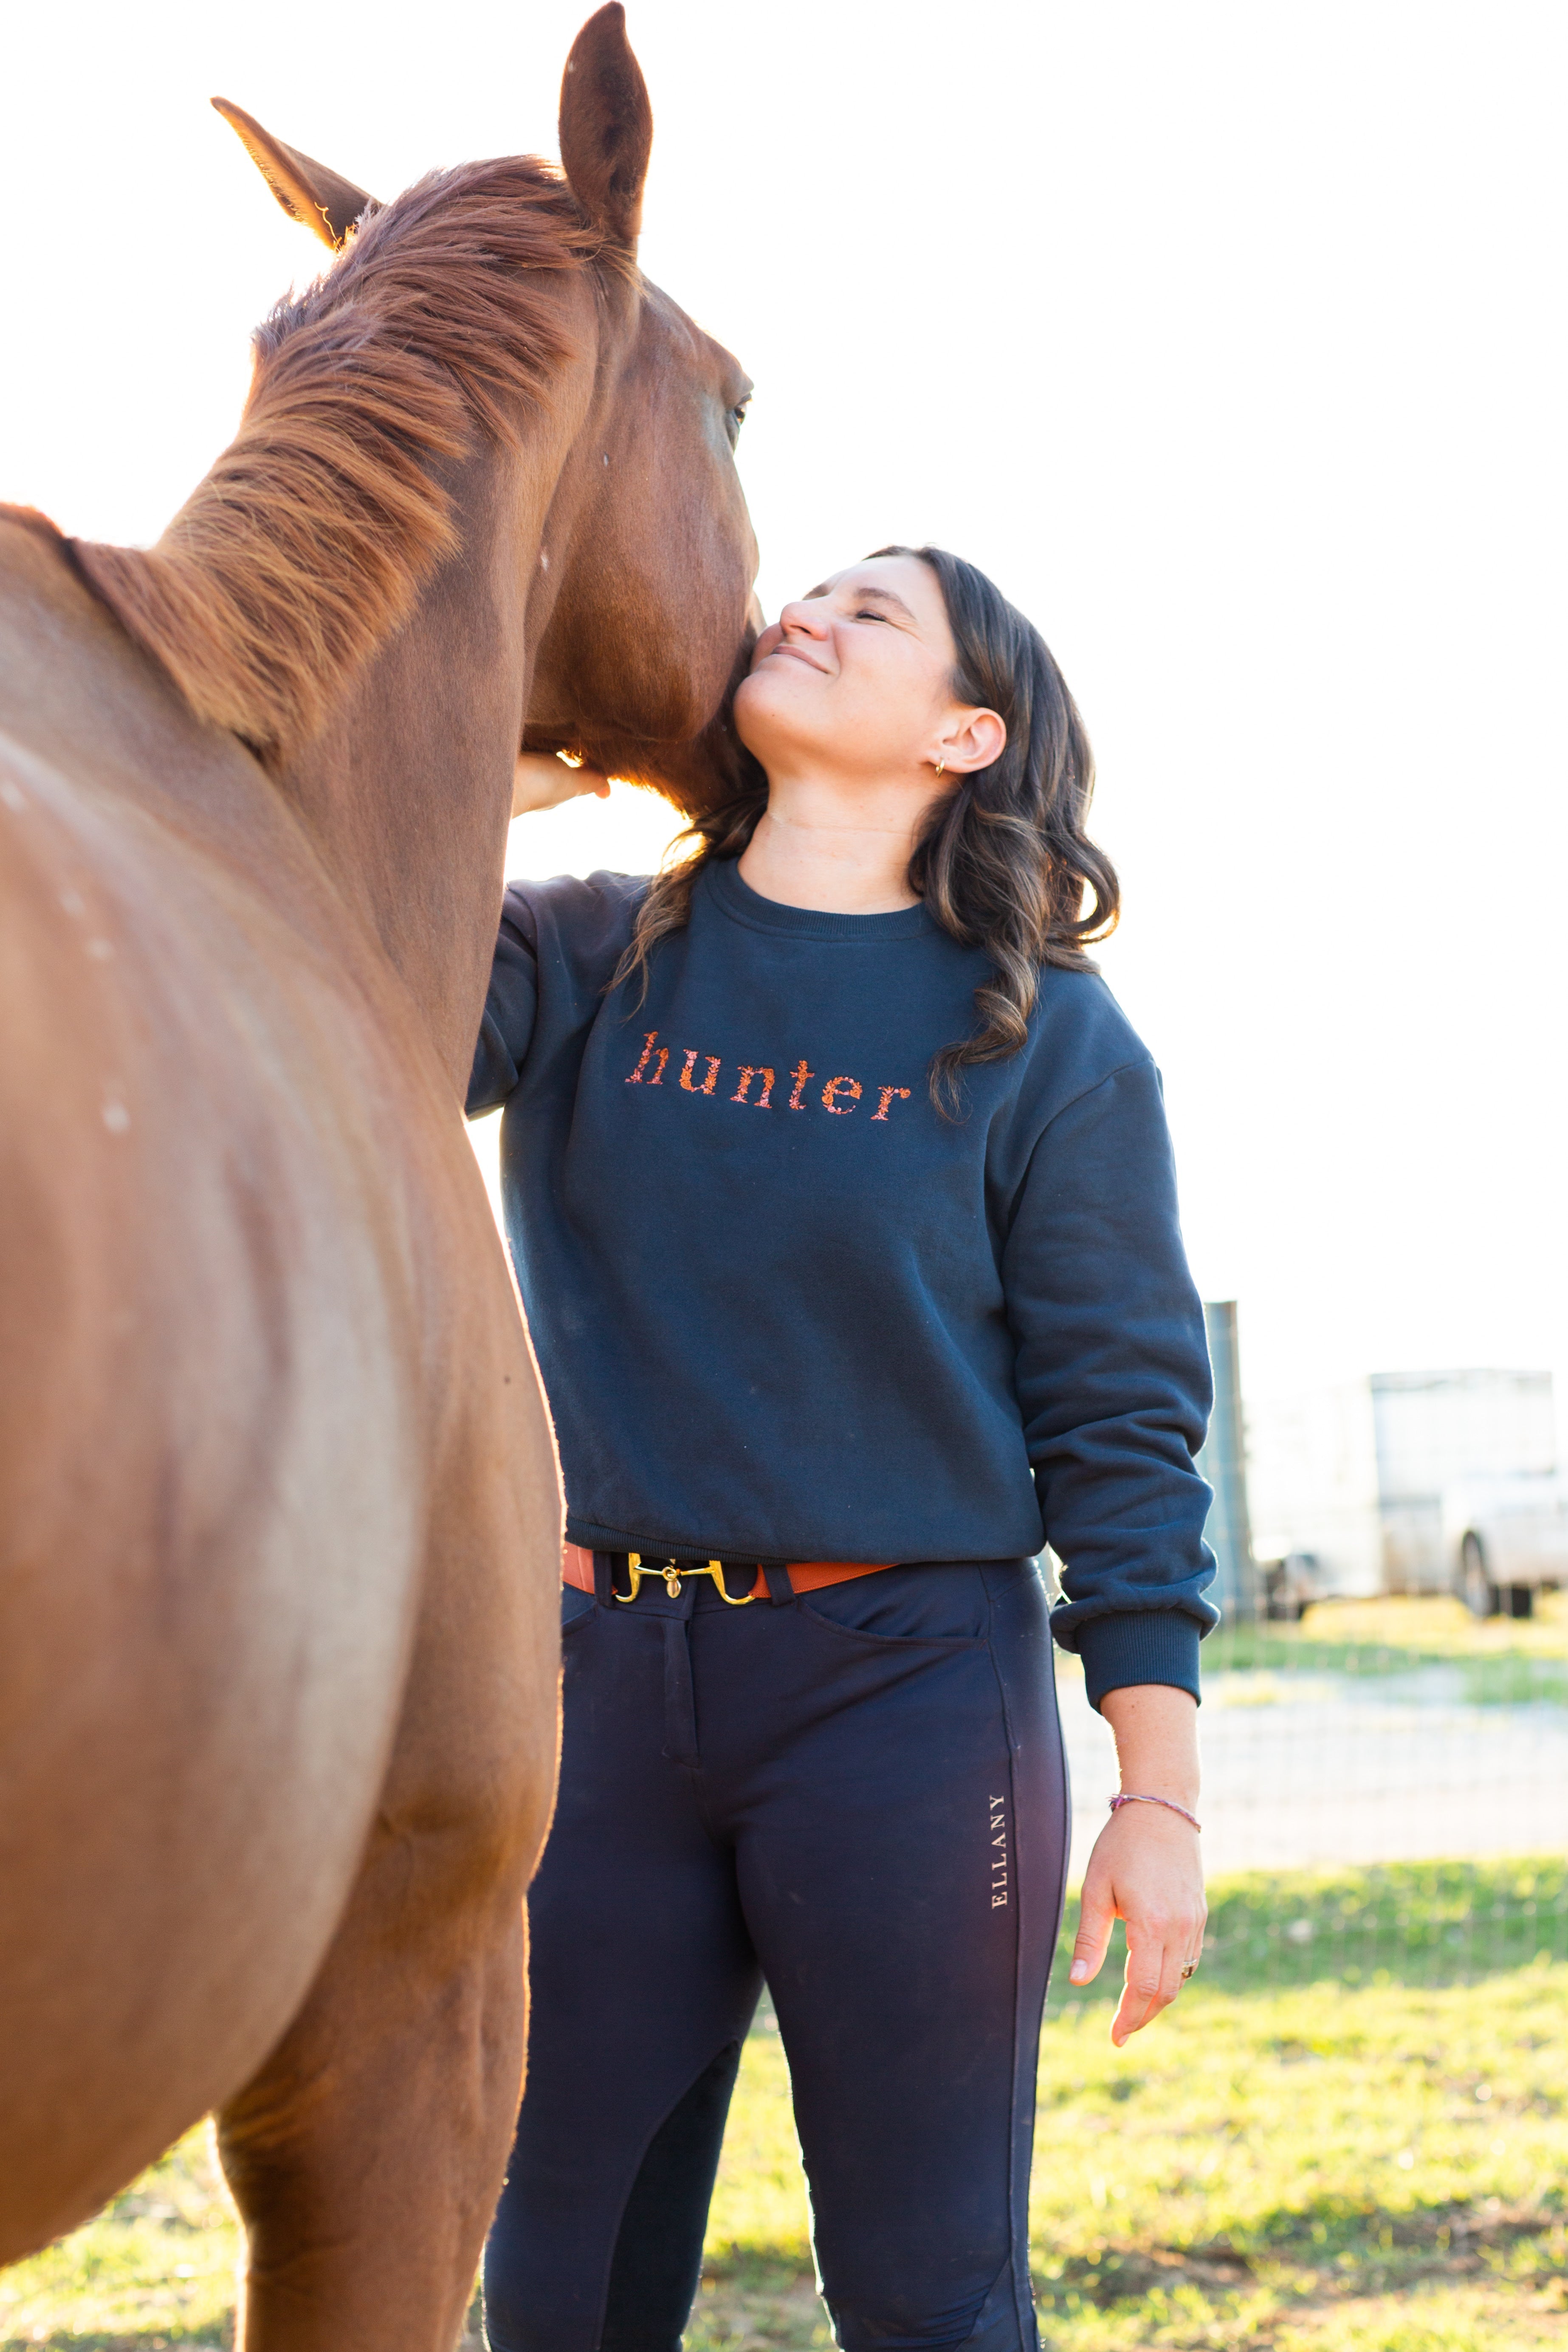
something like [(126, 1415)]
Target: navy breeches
[(859, 1795)]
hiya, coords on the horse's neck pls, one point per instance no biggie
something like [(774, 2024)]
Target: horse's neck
[(407, 791)]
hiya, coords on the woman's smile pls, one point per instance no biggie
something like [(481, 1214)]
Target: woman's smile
[(796, 653)]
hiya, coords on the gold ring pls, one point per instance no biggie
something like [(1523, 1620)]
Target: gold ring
[(1190, 1971)]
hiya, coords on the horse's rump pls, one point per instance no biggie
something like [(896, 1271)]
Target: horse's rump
[(231, 1190)]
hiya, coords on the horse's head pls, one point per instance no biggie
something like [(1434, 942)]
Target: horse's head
[(650, 628), (640, 618)]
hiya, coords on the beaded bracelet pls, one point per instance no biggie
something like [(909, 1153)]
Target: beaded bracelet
[(1133, 1799)]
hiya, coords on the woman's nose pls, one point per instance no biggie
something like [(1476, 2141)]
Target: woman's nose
[(807, 618)]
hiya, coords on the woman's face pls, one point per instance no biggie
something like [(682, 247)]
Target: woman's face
[(855, 676)]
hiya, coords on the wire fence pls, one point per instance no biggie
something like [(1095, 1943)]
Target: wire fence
[(1385, 1796)]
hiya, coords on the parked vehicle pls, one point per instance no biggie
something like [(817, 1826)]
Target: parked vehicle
[(1410, 1482), (1507, 1538)]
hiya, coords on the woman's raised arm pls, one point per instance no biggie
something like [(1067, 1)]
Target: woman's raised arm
[(543, 780)]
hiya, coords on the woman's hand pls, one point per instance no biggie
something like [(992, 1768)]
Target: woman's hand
[(1145, 1868), (541, 780)]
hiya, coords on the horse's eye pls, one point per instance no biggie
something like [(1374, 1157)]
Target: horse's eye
[(737, 417)]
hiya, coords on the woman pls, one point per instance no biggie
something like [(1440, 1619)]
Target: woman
[(841, 1202)]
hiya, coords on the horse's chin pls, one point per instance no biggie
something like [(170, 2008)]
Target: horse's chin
[(695, 777), (695, 773)]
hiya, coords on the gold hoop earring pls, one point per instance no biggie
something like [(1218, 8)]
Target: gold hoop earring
[(940, 766)]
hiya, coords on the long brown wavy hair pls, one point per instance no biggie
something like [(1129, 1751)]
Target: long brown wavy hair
[(1004, 862)]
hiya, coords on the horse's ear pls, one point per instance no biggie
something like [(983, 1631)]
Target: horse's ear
[(307, 190), (606, 125)]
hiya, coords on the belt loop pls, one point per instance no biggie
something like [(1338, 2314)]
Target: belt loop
[(604, 1578), (779, 1586)]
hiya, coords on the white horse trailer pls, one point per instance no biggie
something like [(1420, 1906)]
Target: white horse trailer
[(1410, 1482)]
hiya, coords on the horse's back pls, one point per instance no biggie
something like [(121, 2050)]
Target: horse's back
[(215, 1307)]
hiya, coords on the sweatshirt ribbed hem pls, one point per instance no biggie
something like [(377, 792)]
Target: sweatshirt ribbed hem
[(1143, 1645)]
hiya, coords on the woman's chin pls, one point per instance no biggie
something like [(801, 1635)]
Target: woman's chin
[(756, 690), (764, 715)]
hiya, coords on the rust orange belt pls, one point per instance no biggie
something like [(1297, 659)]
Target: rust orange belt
[(805, 1575)]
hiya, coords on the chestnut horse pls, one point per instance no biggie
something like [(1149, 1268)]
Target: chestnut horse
[(280, 1551)]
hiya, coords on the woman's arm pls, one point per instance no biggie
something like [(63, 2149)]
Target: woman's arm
[(1113, 1377), (1146, 1867), (541, 780)]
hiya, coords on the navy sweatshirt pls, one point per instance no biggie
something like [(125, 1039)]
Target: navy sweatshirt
[(784, 1310)]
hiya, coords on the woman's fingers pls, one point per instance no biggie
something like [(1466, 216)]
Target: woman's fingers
[(1096, 1911), (1157, 1952), (1140, 1989)]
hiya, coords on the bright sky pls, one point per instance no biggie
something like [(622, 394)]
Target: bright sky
[(1228, 338)]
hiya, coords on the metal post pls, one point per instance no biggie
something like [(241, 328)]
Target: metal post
[(1223, 1462)]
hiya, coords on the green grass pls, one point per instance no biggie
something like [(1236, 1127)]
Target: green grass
[(155, 2270), (1500, 1662), (1300, 2168), (1413, 1923)]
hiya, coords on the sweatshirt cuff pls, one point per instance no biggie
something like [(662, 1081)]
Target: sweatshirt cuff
[(1143, 1645)]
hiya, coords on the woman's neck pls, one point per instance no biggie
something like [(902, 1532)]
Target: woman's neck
[(836, 852)]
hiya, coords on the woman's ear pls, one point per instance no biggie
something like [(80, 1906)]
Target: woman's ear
[(974, 740)]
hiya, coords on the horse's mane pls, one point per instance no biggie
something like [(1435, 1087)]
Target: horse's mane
[(303, 548)]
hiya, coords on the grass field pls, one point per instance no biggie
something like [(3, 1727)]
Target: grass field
[(1415, 1923), (1500, 1660), (1298, 2167)]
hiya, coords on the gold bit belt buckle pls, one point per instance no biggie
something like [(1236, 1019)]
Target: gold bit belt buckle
[(673, 1571)]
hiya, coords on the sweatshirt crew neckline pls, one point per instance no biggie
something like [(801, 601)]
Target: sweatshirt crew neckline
[(736, 898)]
